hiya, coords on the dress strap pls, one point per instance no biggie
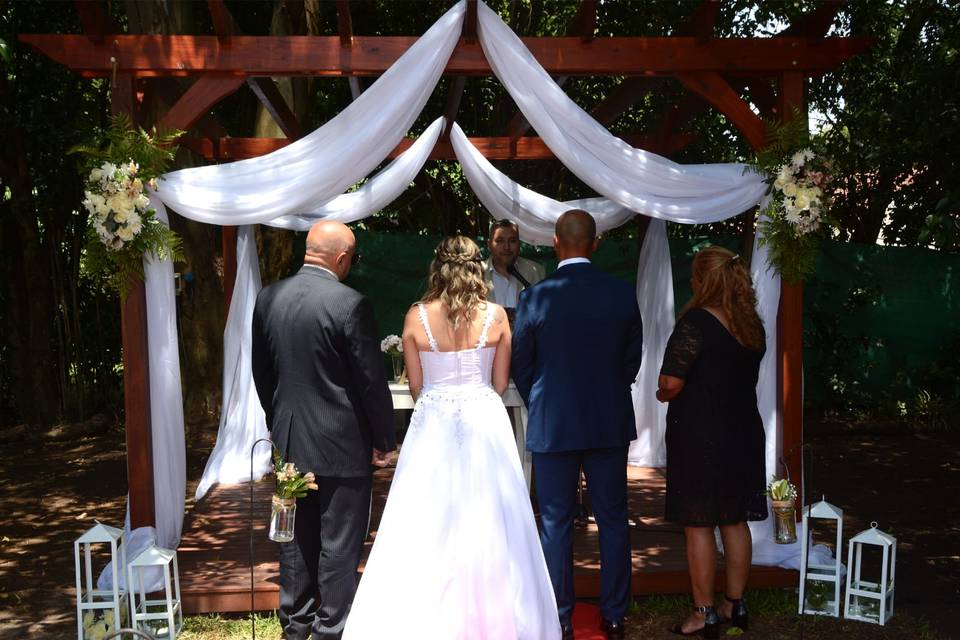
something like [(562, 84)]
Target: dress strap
[(482, 342), (426, 327)]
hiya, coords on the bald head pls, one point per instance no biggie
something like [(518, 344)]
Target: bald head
[(575, 235), (330, 245)]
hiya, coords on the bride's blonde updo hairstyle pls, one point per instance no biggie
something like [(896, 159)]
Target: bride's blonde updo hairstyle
[(725, 284), (456, 278)]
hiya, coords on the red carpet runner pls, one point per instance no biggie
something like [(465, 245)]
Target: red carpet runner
[(586, 622)]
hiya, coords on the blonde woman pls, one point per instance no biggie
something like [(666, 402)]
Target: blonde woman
[(457, 555), (715, 439)]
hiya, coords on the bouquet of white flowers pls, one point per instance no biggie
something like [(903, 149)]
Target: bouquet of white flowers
[(117, 204), (98, 623), (798, 212), (392, 345), (122, 224)]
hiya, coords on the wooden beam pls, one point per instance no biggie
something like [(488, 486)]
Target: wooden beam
[(344, 23), (276, 105), (198, 99), (136, 365), (815, 24), (623, 96), (585, 22), (499, 148), (790, 329), (701, 22), (715, 90), (94, 20), (470, 22), (152, 55), (228, 242), (223, 22)]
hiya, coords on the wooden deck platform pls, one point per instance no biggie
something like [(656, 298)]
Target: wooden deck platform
[(214, 555)]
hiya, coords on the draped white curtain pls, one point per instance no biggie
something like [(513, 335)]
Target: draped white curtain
[(306, 181)]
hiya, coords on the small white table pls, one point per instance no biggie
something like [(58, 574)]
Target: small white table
[(511, 400)]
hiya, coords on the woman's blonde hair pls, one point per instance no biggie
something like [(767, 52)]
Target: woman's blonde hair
[(725, 284), (456, 278)]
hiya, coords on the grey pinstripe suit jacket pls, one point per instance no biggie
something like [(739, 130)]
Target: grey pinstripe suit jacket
[(319, 373)]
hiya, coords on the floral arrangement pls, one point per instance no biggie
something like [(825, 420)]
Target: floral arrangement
[(122, 226), (781, 489), (290, 482), (798, 213), (98, 623), (392, 345)]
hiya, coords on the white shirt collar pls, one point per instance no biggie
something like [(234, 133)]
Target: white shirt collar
[(316, 266), (579, 260)]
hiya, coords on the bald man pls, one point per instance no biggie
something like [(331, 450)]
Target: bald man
[(319, 373), (577, 342)]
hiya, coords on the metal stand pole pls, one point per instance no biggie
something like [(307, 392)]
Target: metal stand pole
[(253, 620)]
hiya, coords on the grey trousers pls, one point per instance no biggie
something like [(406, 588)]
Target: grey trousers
[(318, 570)]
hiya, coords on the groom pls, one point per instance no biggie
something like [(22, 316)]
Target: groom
[(319, 374), (577, 343)]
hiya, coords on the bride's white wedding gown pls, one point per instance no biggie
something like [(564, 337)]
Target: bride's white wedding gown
[(456, 555)]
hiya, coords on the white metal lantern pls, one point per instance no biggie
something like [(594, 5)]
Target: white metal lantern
[(824, 577), (99, 610), (870, 601), (150, 615)]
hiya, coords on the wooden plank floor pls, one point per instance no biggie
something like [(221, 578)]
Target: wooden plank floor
[(214, 555)]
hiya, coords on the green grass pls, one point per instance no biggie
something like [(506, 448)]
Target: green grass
[(220, 627)]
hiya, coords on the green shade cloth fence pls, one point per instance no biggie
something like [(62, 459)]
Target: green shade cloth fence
[(873, 316)]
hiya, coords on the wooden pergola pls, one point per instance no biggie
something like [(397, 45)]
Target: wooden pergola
[(724, 73)]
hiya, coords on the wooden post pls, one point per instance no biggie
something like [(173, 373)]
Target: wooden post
[(136, 367), (229, 240), (790, 328)]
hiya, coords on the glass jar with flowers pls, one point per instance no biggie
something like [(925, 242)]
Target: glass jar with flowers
[(291, 484), (783, 496)]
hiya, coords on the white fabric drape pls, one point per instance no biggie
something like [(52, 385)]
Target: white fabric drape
[(633, 178), (166, 416), (242, 420), (241, 416), (534, 213), (323, 164), (655, 297)]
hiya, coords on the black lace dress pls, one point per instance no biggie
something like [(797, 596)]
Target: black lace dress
[(715, 439)]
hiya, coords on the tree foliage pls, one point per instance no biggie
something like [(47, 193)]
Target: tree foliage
[(890, 116)]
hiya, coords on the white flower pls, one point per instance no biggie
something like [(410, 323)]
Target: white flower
[(125, 233), (132, 168), (119, 216), (802, 201), (95, 175), (135, 223), (141, 202), (793, 216), (779, 182), (790, 189), (391, 343)]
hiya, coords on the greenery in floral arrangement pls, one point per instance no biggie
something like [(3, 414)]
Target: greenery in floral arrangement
[(290, 482), (798, 214), (781, 489), (122, 225)]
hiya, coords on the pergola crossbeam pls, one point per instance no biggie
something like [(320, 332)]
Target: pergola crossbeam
[(179, 55)]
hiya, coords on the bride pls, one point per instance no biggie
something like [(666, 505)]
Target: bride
[(456, 555)]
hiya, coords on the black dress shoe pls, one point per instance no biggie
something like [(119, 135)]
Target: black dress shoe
[(566, 631), (613, 629)]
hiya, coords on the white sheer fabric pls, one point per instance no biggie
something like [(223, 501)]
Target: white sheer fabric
[(323, 164), (655, 297), (534, 213), (166, 417), (242, 420), (633, 178)]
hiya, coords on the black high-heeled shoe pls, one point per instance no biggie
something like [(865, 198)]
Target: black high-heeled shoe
[(738, 616), (711, 624)]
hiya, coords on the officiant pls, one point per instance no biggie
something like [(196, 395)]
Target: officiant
[(505, 272)]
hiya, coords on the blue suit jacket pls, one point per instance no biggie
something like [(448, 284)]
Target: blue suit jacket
[(577, 343)]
